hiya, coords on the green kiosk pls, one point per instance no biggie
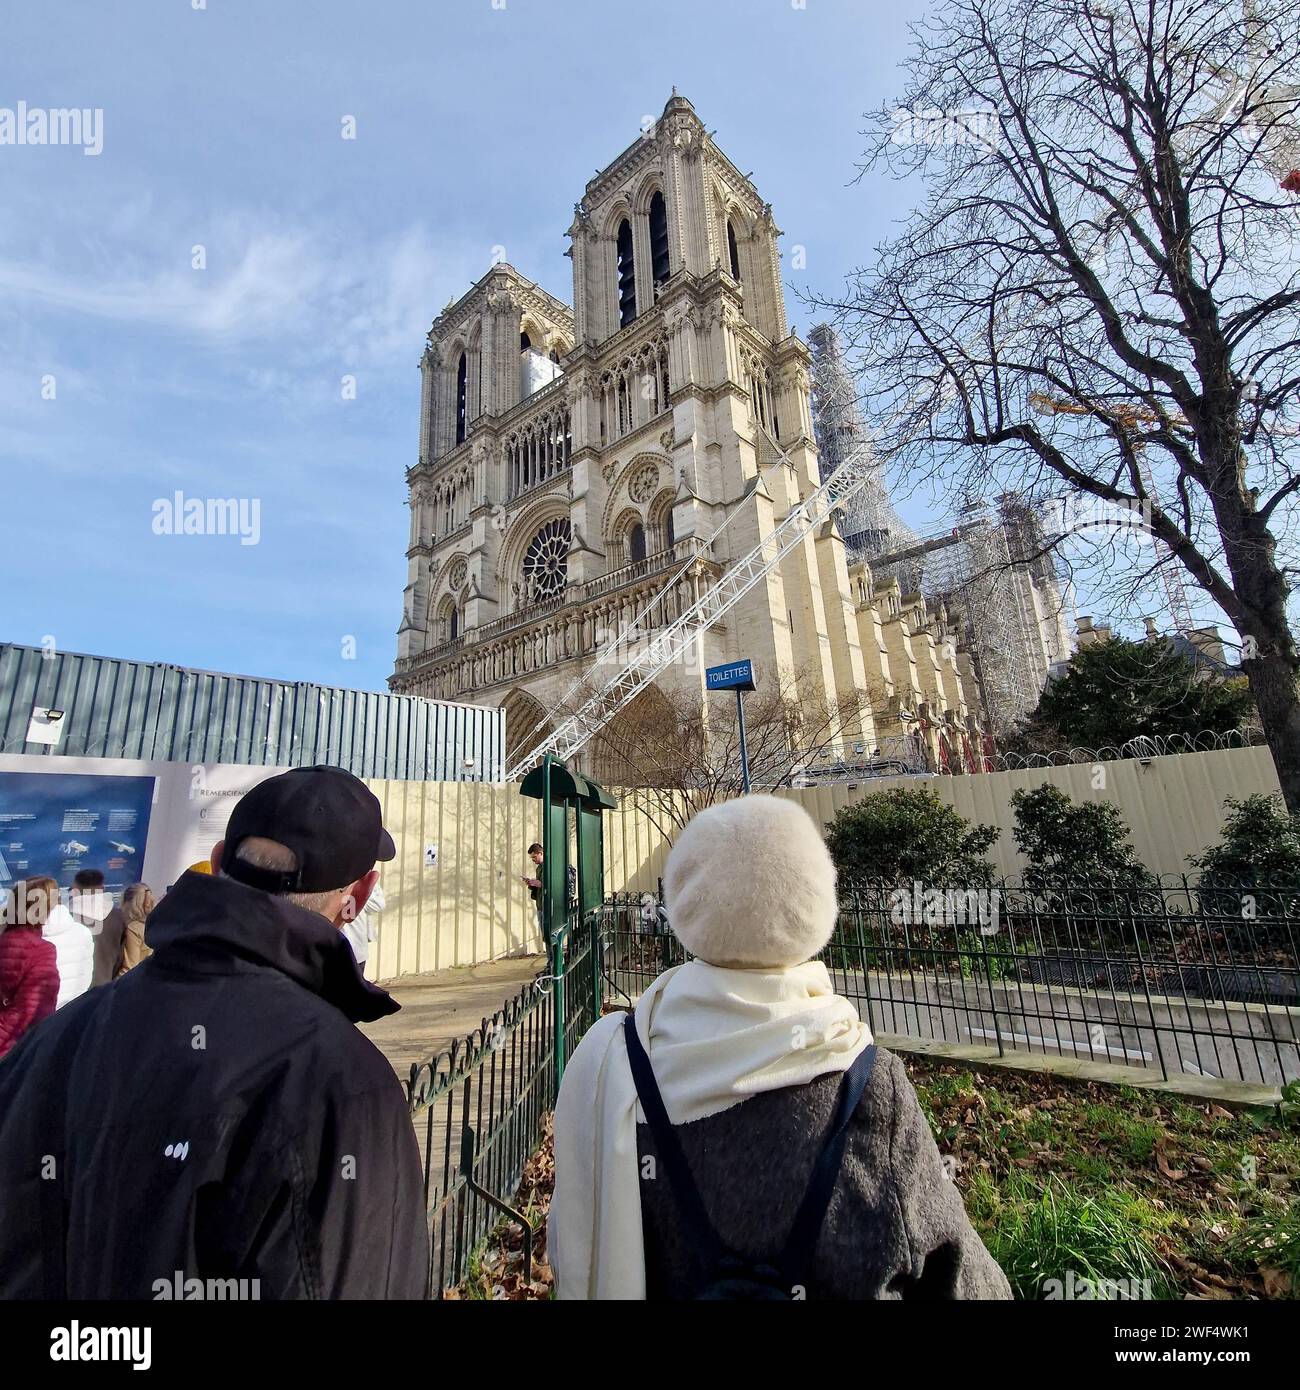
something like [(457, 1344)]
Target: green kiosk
[(562, 792)]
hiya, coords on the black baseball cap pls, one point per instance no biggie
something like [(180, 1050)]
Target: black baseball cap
[(330, 819)]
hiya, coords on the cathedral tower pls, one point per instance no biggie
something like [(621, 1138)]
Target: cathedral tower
[(572, 463)]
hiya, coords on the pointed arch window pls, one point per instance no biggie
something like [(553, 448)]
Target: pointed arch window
[(453, 624), (732, 251), (462, 378), (626, 275), (636, 543), (658, 239)]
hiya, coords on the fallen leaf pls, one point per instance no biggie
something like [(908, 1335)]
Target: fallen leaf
[(1167, 1168)]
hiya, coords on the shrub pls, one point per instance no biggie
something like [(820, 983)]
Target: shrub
[(1118, 690), (1260, 849), (1081, 867), (1067, 842), (1254, 872), (908, 835)]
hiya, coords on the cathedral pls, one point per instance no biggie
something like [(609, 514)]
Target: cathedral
[(577, 464)]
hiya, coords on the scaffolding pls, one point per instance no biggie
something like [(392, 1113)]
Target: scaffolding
[(985, 570), (975, 581), (868, 522)]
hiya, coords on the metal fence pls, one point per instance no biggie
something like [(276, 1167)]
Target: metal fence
[(1171, 976), (154, 711), (479, 1108)]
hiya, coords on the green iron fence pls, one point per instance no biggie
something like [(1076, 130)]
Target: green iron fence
[(1157, 977), (1165, 976), (478, 1108)]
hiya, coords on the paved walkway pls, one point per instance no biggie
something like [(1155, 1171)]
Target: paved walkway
[(440, 1007)]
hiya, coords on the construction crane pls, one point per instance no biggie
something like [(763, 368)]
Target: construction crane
[(923, 546), (1128, 417), (576, 730), (1279, 151)]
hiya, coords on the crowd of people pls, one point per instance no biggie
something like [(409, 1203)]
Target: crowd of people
[(52, 953), (202, 1108)]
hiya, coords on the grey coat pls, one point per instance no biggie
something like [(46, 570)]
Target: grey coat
[(896, 1227)]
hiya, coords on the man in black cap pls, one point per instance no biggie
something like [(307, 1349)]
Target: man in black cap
[(213, 1123)]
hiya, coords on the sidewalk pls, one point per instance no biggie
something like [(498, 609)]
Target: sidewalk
[(441, 1007)]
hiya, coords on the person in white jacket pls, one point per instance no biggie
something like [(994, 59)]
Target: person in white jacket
[(74, 948)]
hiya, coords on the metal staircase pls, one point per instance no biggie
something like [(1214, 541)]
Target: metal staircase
[(649, 662)]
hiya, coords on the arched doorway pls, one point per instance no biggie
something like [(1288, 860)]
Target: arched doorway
[(527, 723), (642, 746)]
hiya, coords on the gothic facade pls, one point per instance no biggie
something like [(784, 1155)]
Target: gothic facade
[(573, 460)]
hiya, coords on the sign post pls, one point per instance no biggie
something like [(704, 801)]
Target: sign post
[(737, 676)]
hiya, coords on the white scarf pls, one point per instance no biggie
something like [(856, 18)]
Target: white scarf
[(715, 1037)]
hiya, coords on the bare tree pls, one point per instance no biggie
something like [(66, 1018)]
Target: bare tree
[(675, 754), (1101, 287)]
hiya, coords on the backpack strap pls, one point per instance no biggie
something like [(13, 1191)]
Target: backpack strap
[(796, 1257), (689, 1202)]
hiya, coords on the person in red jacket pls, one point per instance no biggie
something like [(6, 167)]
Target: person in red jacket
[(29, 972)]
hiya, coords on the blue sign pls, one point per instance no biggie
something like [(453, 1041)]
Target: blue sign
[(57, 823), (737, 675)]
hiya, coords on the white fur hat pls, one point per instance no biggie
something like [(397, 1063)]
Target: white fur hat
[(750, 883)]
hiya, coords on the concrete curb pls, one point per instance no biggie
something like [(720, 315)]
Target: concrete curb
[(1239, 1095)]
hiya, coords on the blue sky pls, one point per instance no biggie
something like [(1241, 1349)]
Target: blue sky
[(476, 126)]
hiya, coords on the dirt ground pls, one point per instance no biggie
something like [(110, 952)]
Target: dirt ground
[(440, 1007)]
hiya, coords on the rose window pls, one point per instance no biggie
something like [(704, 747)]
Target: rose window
[(546, 561), (644, 482)]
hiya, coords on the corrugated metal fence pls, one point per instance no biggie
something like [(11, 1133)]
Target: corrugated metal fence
[(1173, 806), (472, 907), (152, 711)]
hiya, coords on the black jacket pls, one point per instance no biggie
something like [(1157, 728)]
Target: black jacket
[(108, 948), (213, 1115)]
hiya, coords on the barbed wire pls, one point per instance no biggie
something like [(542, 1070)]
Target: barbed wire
[(1142, 747)]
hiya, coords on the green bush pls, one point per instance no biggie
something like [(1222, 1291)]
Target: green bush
[(1091, 890), (908, 835), (1255, 869), (1118, 690), (1068, 842)]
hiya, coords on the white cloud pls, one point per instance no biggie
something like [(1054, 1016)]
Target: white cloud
[(295, 291)]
